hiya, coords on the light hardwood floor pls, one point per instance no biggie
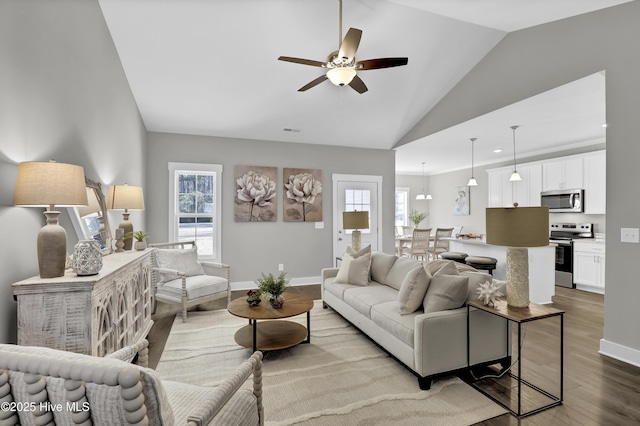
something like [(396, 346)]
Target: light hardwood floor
[(597, 390)]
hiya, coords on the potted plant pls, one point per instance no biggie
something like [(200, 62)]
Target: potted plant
[(254, 297), (416, 217), (273, 288), (139, 236)]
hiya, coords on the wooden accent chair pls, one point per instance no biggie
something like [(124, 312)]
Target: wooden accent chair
[(177, 276), (420, 243), (53, 387), (440, 246)]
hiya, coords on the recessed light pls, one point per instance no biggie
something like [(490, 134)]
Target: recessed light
[(604, 125), (497, 150), (289, 129)]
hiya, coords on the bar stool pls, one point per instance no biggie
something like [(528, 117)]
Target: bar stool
[(454, 255), (483, 263)]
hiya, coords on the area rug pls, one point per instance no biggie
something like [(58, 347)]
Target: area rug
[(340, 378)]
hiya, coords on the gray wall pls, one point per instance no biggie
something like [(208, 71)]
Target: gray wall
[(537, 59), (63, 96), (252, 248)]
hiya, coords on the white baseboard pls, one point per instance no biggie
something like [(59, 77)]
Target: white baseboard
[(619, 352), (250, 285)]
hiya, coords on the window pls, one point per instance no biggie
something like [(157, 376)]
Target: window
[(194, 206), (402, 206), (358, 200)]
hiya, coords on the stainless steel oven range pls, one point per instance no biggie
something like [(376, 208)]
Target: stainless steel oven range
[(563, 234)]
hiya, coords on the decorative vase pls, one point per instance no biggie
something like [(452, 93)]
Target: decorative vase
[(87, 257), (254, 302), (277, 301), (140, 245)]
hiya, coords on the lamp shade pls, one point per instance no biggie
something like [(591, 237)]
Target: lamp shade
[(341, 75), (43, 184), (125, 197), (355, 220), (518, 226), (92, 204)]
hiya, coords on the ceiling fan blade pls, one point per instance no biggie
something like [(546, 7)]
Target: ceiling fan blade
[(302, 61), (313, 83), (358, 85), (372, 64), (350, 44)]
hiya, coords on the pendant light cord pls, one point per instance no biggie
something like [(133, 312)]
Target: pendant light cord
[(514, 146)]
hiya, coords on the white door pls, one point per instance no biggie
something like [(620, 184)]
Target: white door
[(356, 193)]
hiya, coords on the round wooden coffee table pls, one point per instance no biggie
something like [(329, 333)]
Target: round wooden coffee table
[(275, 333)]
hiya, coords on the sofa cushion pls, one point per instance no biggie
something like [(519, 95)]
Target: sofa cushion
[(381, 264), (183, 260), (399, 271), (448, 268), (337, 289), (446, 292), (388, 317), (363, 298), (413, 289), (354, 270)]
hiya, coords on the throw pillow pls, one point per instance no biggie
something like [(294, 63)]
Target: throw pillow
[(446, 292), (354, 270), (475, 279), (435, 265), (357, 254), (448, 268), (184, 260), (413, 289)]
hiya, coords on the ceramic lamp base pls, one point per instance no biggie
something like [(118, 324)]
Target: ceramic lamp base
[(128, 230), (517, 277), (52, 247), (356, 240)]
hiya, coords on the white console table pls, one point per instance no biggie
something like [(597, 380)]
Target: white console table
[(94, 315)]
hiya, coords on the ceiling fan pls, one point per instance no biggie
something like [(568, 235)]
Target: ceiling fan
[(342, 66)]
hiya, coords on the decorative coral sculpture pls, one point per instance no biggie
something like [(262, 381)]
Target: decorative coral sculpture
[(489, 293)]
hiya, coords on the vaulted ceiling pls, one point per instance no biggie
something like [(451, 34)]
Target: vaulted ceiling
[(209, 67)]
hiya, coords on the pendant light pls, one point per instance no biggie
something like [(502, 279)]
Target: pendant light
[(515, 176), (421, 195), (472, 180)]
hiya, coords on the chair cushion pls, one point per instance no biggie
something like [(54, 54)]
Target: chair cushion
[(446, 292), (413, 289), (198, 286), (354, 270), (184, 260)]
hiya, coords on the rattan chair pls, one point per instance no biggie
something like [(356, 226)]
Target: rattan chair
[(439, 245), (420, 243)]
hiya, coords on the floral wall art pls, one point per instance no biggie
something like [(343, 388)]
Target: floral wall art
[(256, 194), (303, 195), (461, 201)]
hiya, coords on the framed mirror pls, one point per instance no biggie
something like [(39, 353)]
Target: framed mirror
[(91, 222)]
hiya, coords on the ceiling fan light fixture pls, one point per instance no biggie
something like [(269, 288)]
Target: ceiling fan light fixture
[(341, 76)]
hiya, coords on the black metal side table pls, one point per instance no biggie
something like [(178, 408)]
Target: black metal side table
[(521, 316)]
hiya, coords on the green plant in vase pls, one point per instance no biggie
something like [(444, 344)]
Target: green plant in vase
[(273, 288), (254, 297), (139, 236), (416, 217)]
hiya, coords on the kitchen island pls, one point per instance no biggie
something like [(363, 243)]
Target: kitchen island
[(541, 265)]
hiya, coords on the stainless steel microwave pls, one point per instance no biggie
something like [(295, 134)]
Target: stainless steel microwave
[(563, 200)]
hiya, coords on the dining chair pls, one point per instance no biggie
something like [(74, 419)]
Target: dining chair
[(439, 245), (420, 243)]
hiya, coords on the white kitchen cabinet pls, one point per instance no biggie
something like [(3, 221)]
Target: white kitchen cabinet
[(503, 193), (589, 265), (562, 174), (595, 183)]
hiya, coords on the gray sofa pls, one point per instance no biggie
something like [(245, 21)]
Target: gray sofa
[(430, 339)]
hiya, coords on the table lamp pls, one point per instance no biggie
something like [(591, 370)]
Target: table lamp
[(356, 221), (42, 184), (125, 197), (518, 228)]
